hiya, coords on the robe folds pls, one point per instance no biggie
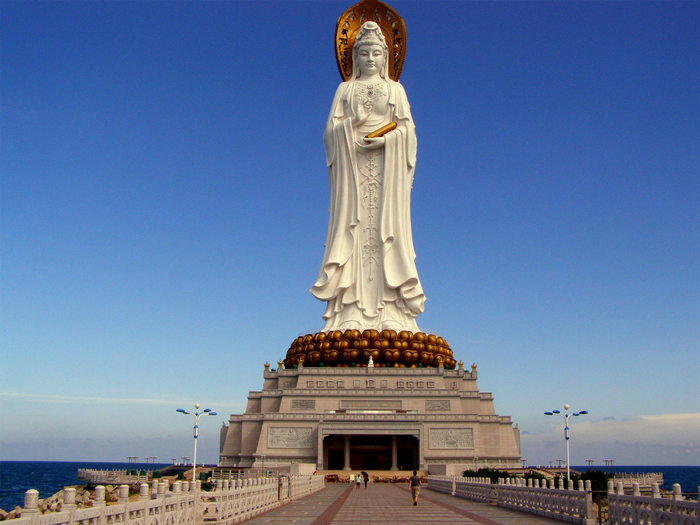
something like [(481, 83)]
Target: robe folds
[(400, 297)]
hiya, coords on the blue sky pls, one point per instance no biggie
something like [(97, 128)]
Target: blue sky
[(164, 200)]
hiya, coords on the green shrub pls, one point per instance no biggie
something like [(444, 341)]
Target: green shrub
[(598, 478), (492, 474)]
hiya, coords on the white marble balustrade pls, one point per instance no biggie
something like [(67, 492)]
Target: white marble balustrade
[(573, 506), (113, 477), (182, 503), (650, 510)]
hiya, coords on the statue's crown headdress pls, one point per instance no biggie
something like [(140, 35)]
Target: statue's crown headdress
[(370, 33)]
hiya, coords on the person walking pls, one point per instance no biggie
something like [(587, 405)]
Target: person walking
[(358, 479), (365, 476), (414, 485)]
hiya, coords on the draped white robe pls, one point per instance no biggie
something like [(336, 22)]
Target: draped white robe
[(344, 279)]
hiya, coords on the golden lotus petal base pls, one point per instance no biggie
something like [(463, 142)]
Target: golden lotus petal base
[(387, 348)]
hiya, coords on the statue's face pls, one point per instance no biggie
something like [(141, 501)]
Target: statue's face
[(370, 59)]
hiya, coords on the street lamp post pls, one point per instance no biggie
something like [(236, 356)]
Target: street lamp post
[(196, 415), (566, 416)]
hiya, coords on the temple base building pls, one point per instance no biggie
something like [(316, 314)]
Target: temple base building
[(370, 418)]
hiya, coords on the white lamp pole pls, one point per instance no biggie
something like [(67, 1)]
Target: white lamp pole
[(566, 432), (196, 415)]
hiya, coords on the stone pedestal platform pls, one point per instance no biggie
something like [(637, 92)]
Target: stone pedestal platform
[(370, 418)]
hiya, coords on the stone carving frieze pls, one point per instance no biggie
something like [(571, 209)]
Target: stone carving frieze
[(437, 405), (451, 438), (290, 437), (303, 404), (372, 404)]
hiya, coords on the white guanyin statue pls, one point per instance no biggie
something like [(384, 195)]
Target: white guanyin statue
[(368, 275)]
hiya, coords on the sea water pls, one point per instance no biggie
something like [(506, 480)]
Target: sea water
[(48, 477)]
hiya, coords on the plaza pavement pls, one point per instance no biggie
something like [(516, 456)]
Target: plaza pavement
[(387, 504)]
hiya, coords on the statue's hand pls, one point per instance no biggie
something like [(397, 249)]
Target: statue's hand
[(370, 144), (361, 115)]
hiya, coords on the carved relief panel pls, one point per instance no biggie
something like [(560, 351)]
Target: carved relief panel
[(451, 438), (290, 437)]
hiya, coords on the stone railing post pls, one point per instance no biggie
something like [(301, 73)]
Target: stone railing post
[(620, 488), (123, 494), (144, 492), (99, 496), (162, 488), (454, 486), (655, 492), (68, 498), (31, 502), (677, 496), (589, 503), (635, 489), (611, 487), (560, 483)]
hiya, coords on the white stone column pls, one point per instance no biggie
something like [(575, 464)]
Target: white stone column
[(394, 454), (346, 453)]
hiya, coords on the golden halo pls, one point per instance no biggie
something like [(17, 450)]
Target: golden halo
[(391, 24)]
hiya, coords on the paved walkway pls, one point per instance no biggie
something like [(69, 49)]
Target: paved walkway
[(388, 504)]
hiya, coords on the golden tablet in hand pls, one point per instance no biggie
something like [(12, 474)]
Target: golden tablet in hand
[(391, 126)]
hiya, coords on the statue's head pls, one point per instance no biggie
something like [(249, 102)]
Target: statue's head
[(369, 42)]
